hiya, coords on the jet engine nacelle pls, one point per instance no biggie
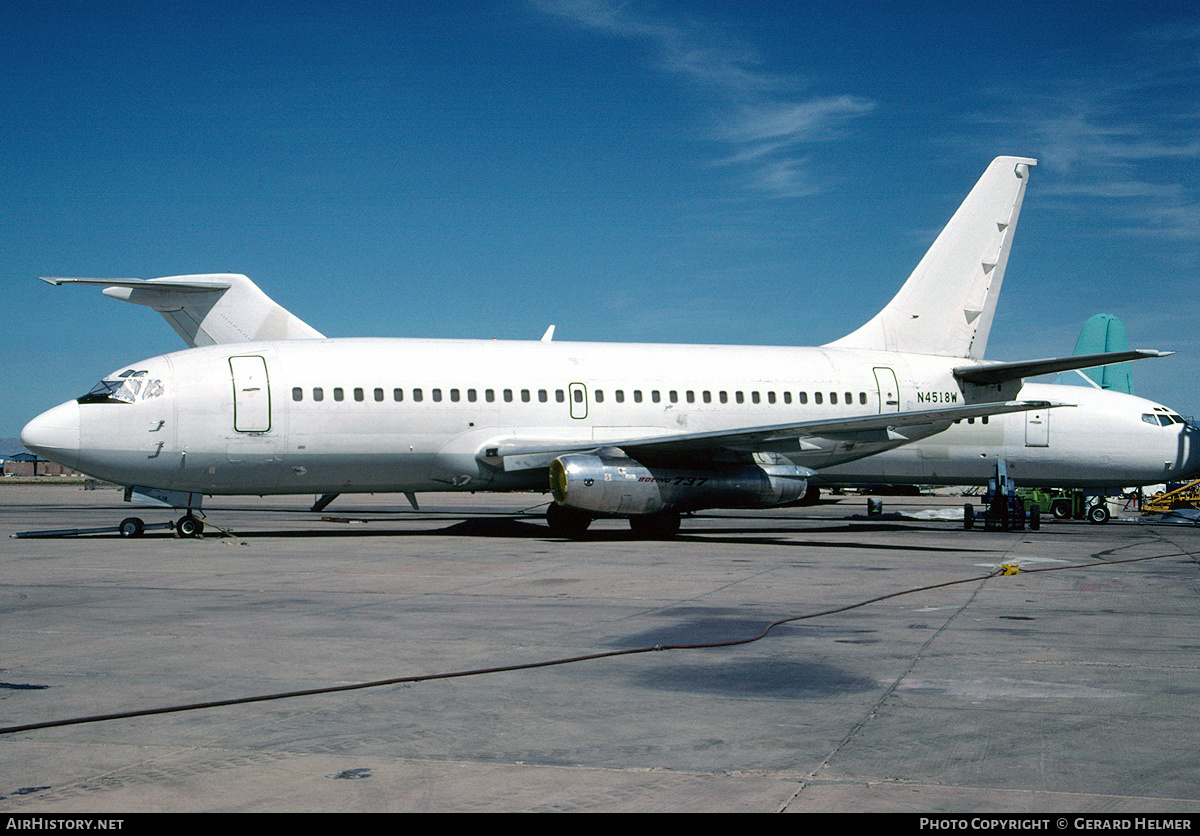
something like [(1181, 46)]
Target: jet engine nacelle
[(618, 485)]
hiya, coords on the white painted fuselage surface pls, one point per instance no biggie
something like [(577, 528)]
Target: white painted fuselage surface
[(364, 415)]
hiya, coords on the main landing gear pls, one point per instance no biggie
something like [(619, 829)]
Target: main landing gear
[(572, 524), (1003, 509)]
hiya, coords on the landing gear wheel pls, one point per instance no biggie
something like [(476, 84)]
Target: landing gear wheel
[(968, 516), (189, 526), (661, 526), (812, 495), (1098, 514), (567, 522), (132, 527), (1060, 509)]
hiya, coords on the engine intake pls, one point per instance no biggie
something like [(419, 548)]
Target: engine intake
[(615, 484)]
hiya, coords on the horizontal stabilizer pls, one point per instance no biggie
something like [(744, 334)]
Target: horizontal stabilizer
[(208, 309), (991, 373), (157, 285)]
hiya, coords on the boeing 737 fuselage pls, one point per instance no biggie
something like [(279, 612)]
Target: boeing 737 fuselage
[(263, 404)]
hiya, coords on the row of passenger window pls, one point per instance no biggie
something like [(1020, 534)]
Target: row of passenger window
[(577, 395)]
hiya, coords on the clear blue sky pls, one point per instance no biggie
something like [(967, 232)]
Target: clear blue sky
[(671, 171)]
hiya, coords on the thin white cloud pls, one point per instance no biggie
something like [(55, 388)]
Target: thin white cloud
[(769, 125), (1120, 139)]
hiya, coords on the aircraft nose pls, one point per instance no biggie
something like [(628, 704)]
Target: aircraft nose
[(54, 434), (1189, 448)]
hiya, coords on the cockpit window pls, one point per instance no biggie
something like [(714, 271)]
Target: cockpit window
[(1161, 420), (129, 386)]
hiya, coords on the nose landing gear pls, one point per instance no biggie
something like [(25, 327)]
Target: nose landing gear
[(189, 526), (186, 526)]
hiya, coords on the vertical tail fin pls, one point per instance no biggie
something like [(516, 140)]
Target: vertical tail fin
[(1103, 333), (947, 305)]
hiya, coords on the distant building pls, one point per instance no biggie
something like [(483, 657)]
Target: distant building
[(27, 464)]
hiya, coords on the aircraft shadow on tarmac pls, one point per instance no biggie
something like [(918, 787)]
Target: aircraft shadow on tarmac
[(781, 534), (778, 678)]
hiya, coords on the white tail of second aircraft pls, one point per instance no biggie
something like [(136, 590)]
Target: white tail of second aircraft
[(947, 305), (210, 308)]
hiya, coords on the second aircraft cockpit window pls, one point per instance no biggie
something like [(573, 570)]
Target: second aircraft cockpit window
[(127, 387)]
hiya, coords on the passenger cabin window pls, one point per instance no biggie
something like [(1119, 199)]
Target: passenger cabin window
[(318, 393), (297, 394), (378, 395), (418, 395), (358, 394), (397, 395), (339, 394)]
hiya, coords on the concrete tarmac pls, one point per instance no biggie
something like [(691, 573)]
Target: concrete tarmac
[(1073, 690)]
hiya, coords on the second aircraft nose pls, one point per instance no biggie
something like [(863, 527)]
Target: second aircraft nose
[(55, 434)]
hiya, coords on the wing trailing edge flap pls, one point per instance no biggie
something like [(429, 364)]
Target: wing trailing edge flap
[(994, 373), (516, 454)]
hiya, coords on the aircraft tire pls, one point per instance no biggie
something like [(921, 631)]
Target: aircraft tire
[(1060, 509), (968, 516), (1098, 514), (132, 527), (189, 526), (567, 522)]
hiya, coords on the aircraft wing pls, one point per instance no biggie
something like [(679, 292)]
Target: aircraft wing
[(990, 373), (527, 454)]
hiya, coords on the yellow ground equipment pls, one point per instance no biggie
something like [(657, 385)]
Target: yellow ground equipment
[(1186, 497)]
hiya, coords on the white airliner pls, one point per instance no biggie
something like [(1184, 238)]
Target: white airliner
[(264, 404)]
